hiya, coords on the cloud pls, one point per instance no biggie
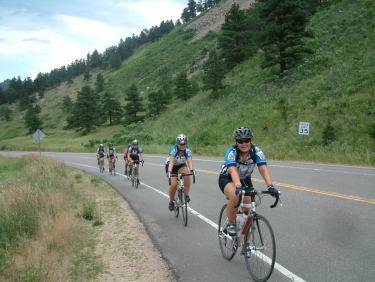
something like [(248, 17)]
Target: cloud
[(38, 40), (2, 39)]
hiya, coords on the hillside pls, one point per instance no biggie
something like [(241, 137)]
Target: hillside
[(332, 89)]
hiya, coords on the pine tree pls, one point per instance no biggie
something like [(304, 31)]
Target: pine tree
[(32, 121), (110, 108), (67, 103), (213, 73), (182, 86), (281, 40), (85, 112), (232, 37), (158, 102), (5, 112), (134, 106), (87, 75), (99, 83), (3, 98)]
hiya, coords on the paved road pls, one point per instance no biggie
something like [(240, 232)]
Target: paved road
[(324, 230)]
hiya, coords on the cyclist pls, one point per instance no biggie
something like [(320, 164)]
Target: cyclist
[(239, 162), (179, 161), (126, 158), (100, 154), (134, 153), (111, 154)]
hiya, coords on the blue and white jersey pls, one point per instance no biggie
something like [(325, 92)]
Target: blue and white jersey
[(179, 160), (100, 151), (245, 169), (111, 152), (134, 152)]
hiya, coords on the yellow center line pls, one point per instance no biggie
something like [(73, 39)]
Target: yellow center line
[(300, 188)]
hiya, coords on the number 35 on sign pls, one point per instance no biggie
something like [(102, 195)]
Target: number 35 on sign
[(304, 128)]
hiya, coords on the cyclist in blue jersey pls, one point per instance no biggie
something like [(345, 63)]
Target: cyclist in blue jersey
[(134, 154), (179, 161), (239, 163)]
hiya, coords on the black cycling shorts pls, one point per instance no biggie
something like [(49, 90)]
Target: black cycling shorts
[(175, 168), (224, 180)]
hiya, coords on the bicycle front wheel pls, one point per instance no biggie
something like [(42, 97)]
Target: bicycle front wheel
[(261, 261), (135, 178), (184, 206), (228, 244)]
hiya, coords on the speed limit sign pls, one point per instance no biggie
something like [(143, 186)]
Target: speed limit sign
[(304, 128)]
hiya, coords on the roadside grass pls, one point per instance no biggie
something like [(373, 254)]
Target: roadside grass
[(48, 214)]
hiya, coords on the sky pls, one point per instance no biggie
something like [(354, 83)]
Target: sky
[(40, 35)]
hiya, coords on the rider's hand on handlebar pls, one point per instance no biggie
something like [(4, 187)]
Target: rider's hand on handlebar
[(273, 191), (168, 174), (239, 189), (193, 171)]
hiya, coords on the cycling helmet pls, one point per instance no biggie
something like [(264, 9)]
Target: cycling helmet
[(242, 132), (101, 145), (181, 139), (135, 142), (110, 145)]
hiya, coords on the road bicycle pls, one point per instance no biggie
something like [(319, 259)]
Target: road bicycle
[(101, 165), (112, 166), (134, 174), (180, 196), (254, 235)]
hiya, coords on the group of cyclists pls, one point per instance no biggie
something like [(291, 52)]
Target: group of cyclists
[(235, 174)]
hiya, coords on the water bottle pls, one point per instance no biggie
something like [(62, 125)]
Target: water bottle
[(239, 223), (245, 215)]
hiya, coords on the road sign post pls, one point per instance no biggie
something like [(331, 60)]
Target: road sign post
[(304, 129), (38, 136)]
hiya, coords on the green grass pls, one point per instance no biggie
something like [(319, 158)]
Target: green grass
[(333, 86)]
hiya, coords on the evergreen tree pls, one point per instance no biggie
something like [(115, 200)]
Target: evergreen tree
[(5, 113), (158, 102), (69, 80), (192, 6), (85, 112), (3, 99), (99, 83), (281, 40), (96, 59), (213, 73), (87, 76), (134, 106), (182, 86), (185, 16), (67, 103), (110, 108), (115, 61), (232, 38), (32, 121)]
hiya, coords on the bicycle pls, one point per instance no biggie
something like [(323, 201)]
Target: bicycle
[(101, 165), (180, 196), (112, 166), (134, 173), (254, 235)]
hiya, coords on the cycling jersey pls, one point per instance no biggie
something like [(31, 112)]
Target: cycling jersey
[(111, 152), (179, 160), (134, 152), (245, 169), (101, 152)]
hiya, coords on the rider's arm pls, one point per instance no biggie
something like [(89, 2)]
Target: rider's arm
[(263, 170), (141, 155), (171, 162), (233, 171), (190, 163)]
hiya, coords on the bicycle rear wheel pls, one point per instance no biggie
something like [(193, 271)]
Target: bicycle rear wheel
[(228, 244), (135, 178), (262, 244), (184, 206)]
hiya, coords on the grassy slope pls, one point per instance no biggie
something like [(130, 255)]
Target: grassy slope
[(334, 85)]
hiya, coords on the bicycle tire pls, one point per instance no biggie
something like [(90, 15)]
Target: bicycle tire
[(263, 249), (176, 206), (135, 178), (184, 207), (228, 244)]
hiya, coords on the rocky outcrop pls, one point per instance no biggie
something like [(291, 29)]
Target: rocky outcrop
[(215, 17)]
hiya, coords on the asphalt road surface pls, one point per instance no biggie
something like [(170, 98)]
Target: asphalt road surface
[(325, 228)]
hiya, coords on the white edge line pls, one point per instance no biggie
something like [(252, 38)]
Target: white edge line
[(277, 266)]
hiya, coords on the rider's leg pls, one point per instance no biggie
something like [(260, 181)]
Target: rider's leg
[(230, 192), (172, 188), (187, 181)]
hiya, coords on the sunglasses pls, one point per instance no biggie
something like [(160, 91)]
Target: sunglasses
[(243, 141)]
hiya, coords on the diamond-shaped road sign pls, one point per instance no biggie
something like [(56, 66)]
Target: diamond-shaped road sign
[(38, 135)]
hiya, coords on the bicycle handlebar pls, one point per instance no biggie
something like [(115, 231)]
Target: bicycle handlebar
[(253, 193), (180, 175)]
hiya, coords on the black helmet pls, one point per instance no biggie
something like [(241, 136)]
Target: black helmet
[(110, 144), (242, 132), (135, 142), (181, 139)]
